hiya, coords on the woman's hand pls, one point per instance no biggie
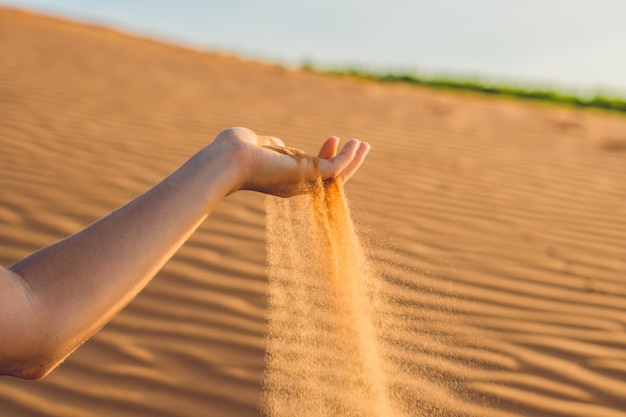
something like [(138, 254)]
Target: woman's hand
[(266, 165)]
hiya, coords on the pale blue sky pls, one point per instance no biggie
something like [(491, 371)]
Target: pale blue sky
[(575, 44)]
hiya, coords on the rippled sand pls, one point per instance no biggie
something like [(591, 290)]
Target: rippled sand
[(497, 228)]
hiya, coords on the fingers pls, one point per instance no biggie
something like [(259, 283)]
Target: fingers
[(356, 162), (339, 162), (348, 161), (329, 148)]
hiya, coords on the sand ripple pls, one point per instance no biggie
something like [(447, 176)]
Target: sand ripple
[(497, 228)]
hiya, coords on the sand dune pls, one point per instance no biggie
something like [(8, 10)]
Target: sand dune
[(497, 228)]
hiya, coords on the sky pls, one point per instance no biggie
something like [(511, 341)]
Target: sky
[(574, 46)]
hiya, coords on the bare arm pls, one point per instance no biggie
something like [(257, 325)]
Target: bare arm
[(55, 299)]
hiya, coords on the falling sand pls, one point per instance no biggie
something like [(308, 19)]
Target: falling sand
[(323, 354), (332, 348)]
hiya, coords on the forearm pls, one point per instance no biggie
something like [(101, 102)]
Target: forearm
[(81, 282)]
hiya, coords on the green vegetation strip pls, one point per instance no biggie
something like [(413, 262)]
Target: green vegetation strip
[(597, 102)]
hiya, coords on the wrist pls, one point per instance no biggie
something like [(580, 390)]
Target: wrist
[(226, 165)]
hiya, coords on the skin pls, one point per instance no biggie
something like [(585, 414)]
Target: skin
[(55, 299)]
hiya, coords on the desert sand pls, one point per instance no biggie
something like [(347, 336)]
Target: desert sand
[(497, 228)]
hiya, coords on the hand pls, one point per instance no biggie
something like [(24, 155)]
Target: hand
[(267, 166)]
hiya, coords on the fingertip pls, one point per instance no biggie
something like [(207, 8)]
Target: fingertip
[(334, 140), (329, 148), (351, 146), (367, 149), (356, 162)]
